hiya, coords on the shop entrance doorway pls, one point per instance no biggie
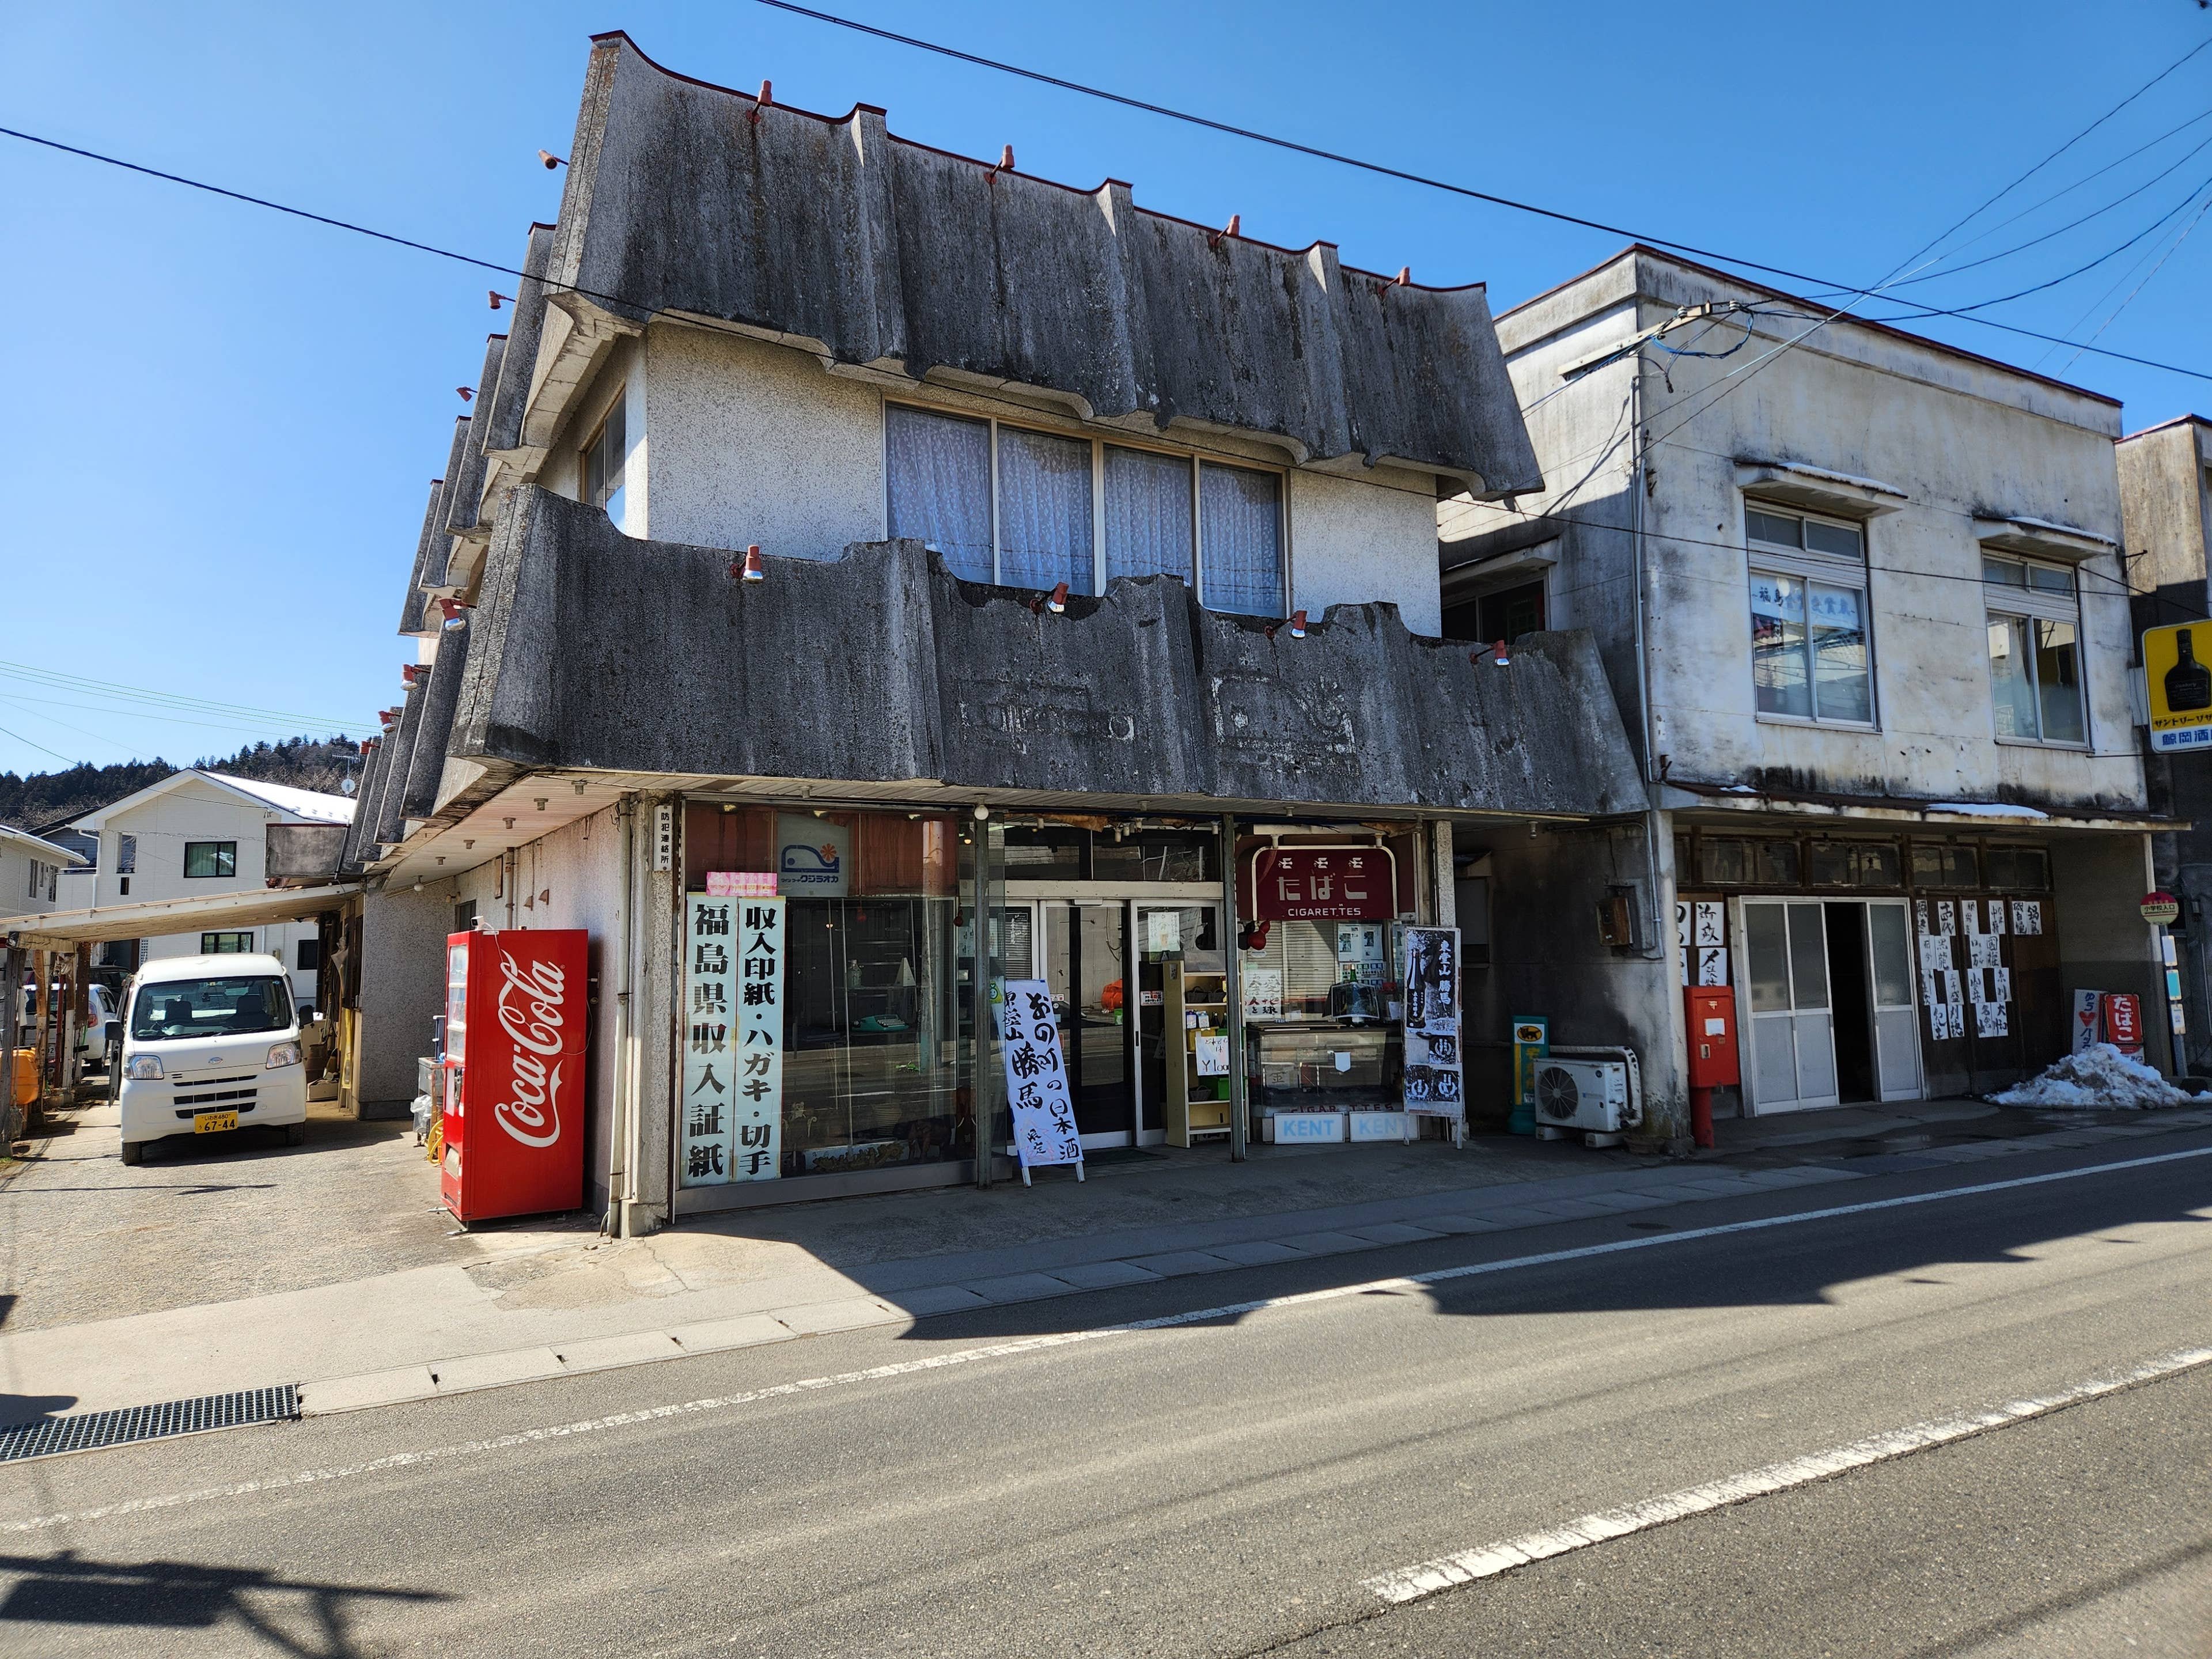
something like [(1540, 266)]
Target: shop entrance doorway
[(1871, 978), (1793, 1050), (1083, 951)]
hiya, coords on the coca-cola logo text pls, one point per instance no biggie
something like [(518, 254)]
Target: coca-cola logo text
[(531, 1021)]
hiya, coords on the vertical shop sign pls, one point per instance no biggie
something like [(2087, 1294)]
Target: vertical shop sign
[(1036, 1075), (710, 999), (758, 1112), (1433, 1067)]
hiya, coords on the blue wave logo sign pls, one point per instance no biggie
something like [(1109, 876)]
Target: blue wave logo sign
[(801, 865)]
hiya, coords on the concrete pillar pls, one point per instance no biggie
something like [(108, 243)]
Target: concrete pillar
[(653, 1009), (1443, 881)]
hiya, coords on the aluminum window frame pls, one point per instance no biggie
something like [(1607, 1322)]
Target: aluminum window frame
[(230, 874), (1808, 565), (2034, 605), (1196, 458)]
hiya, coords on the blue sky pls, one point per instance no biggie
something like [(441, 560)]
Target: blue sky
[(223, 421)]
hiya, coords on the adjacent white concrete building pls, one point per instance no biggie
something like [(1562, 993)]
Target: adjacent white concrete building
[(31, 872), (1860, 599), (195, 835)]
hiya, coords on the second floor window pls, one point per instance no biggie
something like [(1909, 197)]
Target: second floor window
[(210, 858), (126, 854), (1811, 657), (2035, 650), (1023, 508), (604, 460), (226, 945)]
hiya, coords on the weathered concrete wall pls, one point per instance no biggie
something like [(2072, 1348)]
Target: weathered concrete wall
[(685, 196), (1961, 439), (595, 651), (755, 443), (1354, 541), (1547, 958), (402, 989), (2165, 497), (573, 879), (2104, 944)]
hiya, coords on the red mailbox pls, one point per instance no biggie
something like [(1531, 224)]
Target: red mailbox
[(1712, 1011)]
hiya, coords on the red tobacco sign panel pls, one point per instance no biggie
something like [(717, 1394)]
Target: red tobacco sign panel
[(516, 1019), (1322, 884)]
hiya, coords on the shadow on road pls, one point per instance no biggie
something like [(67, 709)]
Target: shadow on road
[(290, 1615), (1804, 1265)]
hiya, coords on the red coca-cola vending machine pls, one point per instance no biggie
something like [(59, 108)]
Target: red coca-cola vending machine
[(516, 1013)]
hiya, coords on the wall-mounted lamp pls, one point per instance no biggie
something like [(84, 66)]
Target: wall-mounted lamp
[(1497, 653), (1055, 601), (1006, 159), (752, 569), (453, 608), (1229, 229), (467, 393), (982, 812), (408, 671), (766, 99), (550, 159), (497, 298)]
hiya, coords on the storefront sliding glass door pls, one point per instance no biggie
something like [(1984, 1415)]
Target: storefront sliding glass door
[(1792, 1051)]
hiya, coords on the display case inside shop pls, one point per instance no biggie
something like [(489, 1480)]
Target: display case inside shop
[(1323, 1065)]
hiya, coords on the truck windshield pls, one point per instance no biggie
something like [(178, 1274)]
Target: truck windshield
[(210, 1007)]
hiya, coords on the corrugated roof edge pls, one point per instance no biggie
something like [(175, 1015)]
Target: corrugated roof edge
[(1634, 248), (624, 36)]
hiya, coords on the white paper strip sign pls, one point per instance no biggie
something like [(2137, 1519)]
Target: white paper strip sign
[(1036, 1075), (710, 980), (758, 1110)]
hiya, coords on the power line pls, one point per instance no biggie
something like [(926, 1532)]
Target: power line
[(1384, 171), (1220, 126), (57, 680), (2145, 282), (41, 748)]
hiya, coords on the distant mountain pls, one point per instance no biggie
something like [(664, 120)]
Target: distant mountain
[(46, 800)]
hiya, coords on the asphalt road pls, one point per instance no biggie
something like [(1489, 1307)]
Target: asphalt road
[(1036, 1481)]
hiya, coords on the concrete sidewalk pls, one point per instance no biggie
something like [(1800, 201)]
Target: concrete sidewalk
[(555, 1305)]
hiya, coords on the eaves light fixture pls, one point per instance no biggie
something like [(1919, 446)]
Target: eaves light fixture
[(750, 570), (550, 159), (497, 298)]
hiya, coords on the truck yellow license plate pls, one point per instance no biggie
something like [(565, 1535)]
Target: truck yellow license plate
[(209, 1122)]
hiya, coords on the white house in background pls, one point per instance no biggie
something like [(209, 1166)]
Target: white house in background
[(31, 872), (195, 835)]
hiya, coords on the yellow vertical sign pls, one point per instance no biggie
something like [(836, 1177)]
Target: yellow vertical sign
[(2177, 681)]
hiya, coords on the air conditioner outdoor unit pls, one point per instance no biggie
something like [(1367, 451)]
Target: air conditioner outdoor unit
[(1591, 1096)]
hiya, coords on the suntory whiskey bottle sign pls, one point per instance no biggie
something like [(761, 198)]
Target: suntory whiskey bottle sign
[(2177, 675)]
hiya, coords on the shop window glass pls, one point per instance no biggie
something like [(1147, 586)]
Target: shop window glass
[(1809, 955), (1777, 646), (1774, 864), (1769, 961), (1044, 511), (1148, 518), (2025, 869), (1034, 854), (1944, 864), (1157, 855), (1851, 864), (939, 479), (1241, 539), (876, 993), (1893, 959)]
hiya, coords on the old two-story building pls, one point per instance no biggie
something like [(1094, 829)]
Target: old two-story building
[(1860, 597), (32, 871), (1010, 580), (2166, 500)]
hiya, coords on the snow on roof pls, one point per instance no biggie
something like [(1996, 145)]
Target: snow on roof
[(302, 803), (1873, 486), (1986, 809), (39, 847), (2021, 521)]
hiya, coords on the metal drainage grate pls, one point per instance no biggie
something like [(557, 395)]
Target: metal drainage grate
[(91, 1430)]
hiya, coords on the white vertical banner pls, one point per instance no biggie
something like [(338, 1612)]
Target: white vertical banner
[(710, 1000), (1036, 1075), (756, 1155)]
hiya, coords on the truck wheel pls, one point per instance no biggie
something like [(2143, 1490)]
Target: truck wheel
[(134, 1151), (295, 1134)]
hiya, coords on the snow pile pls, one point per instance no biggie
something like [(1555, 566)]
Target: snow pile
[(2099, 1078)]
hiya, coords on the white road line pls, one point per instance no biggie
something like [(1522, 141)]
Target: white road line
[(1055, 1339), (1411, 1583)]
